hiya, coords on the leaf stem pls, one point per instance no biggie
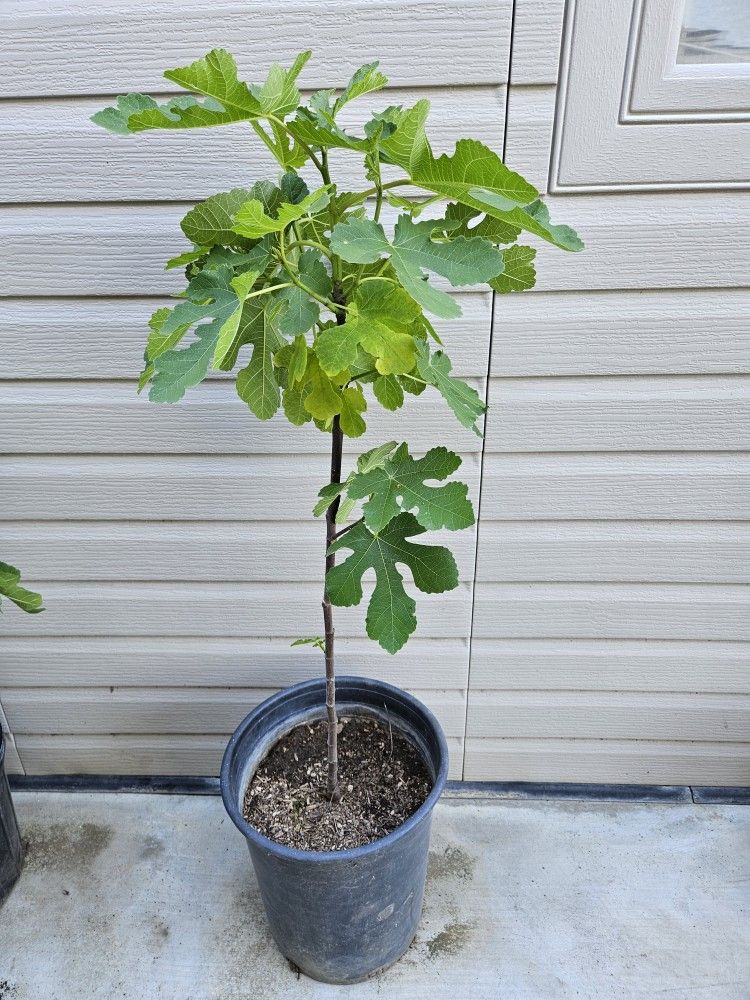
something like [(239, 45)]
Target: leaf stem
[(311, 243), (307, 149), (335, 308)]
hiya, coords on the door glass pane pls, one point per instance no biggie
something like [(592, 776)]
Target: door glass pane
[(715, 31)]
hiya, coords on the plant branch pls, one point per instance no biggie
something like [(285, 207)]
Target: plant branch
[(349, 527)]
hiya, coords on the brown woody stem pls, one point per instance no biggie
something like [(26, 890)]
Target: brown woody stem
[(334, 792)]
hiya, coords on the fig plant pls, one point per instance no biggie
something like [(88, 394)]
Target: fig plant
[(321, 304)]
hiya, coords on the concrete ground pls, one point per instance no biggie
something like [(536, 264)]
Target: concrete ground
[(142, 896)]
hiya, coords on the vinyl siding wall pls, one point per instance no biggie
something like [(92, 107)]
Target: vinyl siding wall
[(174, 545)]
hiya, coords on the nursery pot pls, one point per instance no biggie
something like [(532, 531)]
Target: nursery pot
[(340, 916), (11, 848)]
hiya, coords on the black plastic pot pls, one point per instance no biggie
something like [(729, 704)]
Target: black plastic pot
[(11, 847), (340, 916)]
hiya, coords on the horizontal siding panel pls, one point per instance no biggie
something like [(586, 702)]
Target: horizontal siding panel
[(515, 487), (252, 609), (659, 332), (594, 715), (166, 710), (227, 551), (171, 488), (537, 32), (614, 551), (100, 338), (37, 661), (145, 754), (634, 240), (93, 165), (618, 761), (611, 611), (673, 486), (121, 250), (126, 47), (609, 665), (623, 414), (111, 418)]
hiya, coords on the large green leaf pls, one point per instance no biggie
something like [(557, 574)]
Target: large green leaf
[(402, 483), (252, 221), (216, 296), (390, 613), (10, 587), (473, 175), (462, 261), (465, 402), (519, 273), (226, 98), (381, 319), (257, 384), (211, 222)]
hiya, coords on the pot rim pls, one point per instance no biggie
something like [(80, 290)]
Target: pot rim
[(351, 853)]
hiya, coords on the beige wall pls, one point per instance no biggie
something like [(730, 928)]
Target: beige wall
[(606, 608)]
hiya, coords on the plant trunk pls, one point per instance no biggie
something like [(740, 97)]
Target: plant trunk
[(334, 792)]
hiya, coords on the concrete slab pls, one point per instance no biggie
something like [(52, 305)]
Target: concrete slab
[(139, 896)]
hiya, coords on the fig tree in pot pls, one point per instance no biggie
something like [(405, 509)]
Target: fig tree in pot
[(322, 298), (11, 846)]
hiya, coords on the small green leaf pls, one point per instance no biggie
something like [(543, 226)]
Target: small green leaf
[(353, 403), (297, 360), (328, 494), (465, 402), (316, 640), (401, 484), (189, 257), (388, 392), (374, 458), (279, 95), (256, 382), (302, 312), (365, 80), (10, 587), (293, 401), (519, 273), (390, 613), (252, 221)]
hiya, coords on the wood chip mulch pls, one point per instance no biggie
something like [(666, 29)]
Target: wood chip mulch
[(383, 779)]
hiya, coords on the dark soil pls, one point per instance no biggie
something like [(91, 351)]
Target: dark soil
[(382, 775)]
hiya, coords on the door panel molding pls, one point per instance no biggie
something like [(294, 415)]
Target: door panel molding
[(616, 131)]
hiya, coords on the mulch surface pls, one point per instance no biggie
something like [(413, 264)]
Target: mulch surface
[(382, 775)]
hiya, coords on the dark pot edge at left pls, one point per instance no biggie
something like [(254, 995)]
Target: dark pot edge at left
[(11, 845)]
